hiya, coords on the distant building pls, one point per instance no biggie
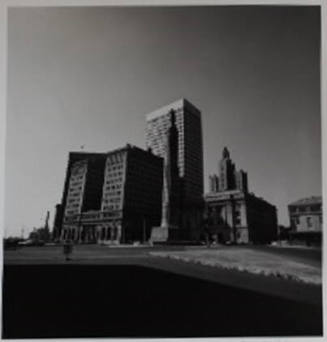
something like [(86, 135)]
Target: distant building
[(113, 196), (232, 213), (41, 235), (306, 219), (190, 160), (213, 183), (57, 222), (229, 178)]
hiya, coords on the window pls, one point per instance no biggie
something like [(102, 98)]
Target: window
[(309, 222)]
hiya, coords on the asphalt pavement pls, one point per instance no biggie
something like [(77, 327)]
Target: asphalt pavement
[(122, 299)]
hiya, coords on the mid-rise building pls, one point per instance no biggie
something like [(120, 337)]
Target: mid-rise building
[(306, 219), (233, 214), (190, 159), (113, 196), (60, 208)]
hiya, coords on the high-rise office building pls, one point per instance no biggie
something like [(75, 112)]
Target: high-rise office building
[(190, 158)]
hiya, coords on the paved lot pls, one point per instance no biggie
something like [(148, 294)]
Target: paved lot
[(127, 292), (58, 301), (97, 253), (141, 256)]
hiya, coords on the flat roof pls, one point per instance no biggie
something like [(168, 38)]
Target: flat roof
[(174, 105), (228, 193), (89, 155), (308, 200)]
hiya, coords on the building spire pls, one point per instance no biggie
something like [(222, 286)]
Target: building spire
[(226, 154)]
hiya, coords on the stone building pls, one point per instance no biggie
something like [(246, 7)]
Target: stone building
[(114, 196), (60, 207), (189, 159), (306, 219), (229, 178), (233, 214)]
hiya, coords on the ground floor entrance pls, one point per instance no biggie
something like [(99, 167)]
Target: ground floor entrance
[(93, 233)]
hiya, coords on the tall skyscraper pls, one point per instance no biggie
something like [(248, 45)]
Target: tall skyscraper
[(190, 157)]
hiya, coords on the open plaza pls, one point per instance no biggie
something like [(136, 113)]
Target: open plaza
[(126, 291)]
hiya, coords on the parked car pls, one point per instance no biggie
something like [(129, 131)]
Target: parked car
[(30, 242), (11, 243)]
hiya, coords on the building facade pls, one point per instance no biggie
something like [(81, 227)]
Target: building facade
[(60, 207), (306, 219), (232, 213), (190, 159), (229, 178), (114, 197)]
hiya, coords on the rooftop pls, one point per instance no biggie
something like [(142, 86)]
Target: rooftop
[(174, 105), (308, 200), (212, 196), (128, 146)]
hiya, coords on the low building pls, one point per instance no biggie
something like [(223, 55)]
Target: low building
[(239, 217), (306, 220), (114, 196), (232, 213)]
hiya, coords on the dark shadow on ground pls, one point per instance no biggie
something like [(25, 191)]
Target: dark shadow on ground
[(57, 301)]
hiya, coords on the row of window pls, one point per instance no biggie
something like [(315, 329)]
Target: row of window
[(74, 194), (111, 207), (114, 174), (72, 200), (112, 200), (75, 178), (112, 193), (113, 187), (73, 205), (115, 159), (76, 170), (71, 212), (114, 168), (305, 208), (114, 180), (308, 221), (74, 188)]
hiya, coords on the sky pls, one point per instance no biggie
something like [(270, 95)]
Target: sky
[(88, 76)]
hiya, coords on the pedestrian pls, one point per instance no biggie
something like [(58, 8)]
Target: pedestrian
[(206, 232), (68, 249)]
